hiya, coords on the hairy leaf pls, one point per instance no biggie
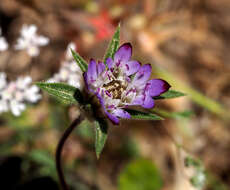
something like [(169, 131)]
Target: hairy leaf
[(101, 128), (170, 94), (80, 61), (65, 93), (113, 45), (142, 115)]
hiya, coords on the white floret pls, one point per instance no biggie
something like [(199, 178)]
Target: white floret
[(30, 40)]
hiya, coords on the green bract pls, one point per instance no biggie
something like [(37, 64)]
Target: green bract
[(63, 92), (170, 94), (101, 128)]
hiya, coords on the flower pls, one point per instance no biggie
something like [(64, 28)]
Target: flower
[(121, 83), (15, 94), (30, 40), (3, 81), (69, 72), (3, 43)]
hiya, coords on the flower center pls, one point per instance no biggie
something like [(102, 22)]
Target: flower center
[(115, 88)]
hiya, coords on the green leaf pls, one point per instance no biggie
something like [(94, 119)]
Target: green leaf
[(42, 157), (101, 128), (65, 93), (170, 94), (113, 45), (142, 115), (140, 175), (45, 161), (80, 61)]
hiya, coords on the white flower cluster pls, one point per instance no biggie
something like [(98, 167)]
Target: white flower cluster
[(15, 94), (69, 72), (3, 42), (30, 40)]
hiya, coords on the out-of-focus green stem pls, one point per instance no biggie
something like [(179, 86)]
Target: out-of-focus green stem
[(195, 96)]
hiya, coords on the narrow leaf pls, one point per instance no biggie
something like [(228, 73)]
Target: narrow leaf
[(113, 45), (101, 128), (170, 94), (80, 61), (65, 93), (143, 116)]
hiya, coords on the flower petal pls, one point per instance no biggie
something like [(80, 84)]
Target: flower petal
[(123, 54), (86, 80), (121, 113), (92, 71), (148, 102), (138, 100), (100, 67), (110, 62), (112, 118), (131, 67), (157, 87), (142, 75), (144, 100)]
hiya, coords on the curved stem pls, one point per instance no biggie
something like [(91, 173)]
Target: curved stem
[(60, 146)]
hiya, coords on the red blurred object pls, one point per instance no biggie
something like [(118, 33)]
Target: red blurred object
[(102, 25)]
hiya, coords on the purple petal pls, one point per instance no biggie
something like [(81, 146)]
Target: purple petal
[(157, 87), (123, 54), (142, 75), (121, 113), (112, 118), (144, 100), (110, 62), (100, 67), (86, 80), (131, 67), (138, 100), (101, 100), (148, 102), (92, 71)]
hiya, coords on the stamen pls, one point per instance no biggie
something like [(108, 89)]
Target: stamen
[(116, 88), (108, 94)]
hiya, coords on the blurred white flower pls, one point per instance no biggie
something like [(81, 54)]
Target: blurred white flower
[(14, 95), (32, 94), (3, 42), (30, 40), (3, 106), (16, 107), (69, 72), (3, 82)]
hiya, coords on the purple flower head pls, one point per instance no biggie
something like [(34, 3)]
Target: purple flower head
[(116, 89)]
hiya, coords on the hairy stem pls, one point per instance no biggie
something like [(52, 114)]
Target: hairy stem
[(60, 146)]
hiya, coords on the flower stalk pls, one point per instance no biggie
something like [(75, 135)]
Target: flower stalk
[(59, 149)]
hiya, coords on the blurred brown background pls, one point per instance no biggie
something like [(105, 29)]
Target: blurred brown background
[(187, 41)]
